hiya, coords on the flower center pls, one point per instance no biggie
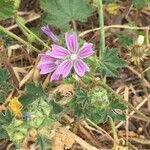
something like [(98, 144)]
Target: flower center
[(57, 62), (74, 56)]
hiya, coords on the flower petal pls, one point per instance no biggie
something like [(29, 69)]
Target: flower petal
[(46, 58), (72, 41), (46, 64), (58, 52), (49, 33), (81, 67), (64, 68), (55, 76), (46, 68), (86, 50)]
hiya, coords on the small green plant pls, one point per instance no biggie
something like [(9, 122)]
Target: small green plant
[(97, 105), (35, 109)]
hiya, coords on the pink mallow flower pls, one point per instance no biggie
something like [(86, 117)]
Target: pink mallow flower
[(72, 57), (48, 64), (46, 29)]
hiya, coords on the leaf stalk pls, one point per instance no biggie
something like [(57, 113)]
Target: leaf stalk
[(27, 31), (14, 36), (102, 30)]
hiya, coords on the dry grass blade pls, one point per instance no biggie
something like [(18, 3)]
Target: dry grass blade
[(32, 17), (141, 140), (13, 47), (138, 107), (26, 78), (100, 130), (88, 136), (126, 97), (140, 76)]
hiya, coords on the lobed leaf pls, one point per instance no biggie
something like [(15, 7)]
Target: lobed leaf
[(5, 86), (7, 8), (60, 12), (32, 94), (5, 118), (110, 62), (3, 134), (43, 142)]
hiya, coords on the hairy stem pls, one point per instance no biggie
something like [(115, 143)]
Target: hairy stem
[(14, 36), (114, 130), (25, 29), (102, 30)]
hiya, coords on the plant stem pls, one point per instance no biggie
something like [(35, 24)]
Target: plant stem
[(18, 38), (74, 25), (102, 31), (25, 29), (114, 130)]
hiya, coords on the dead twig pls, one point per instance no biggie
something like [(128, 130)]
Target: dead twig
[(113, 26), (31, 19), (140, 76), (138, 107)]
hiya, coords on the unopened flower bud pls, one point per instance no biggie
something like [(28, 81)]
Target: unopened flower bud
[(140, 40), (49, 33)]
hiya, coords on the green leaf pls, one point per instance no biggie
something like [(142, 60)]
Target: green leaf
[(17, 3), (4, 75), (32, 94), (5, 86), (148, 70), (5, 118), (140, 3), (148, 74), (43, 143), (99, 95), (126, 38), (115, 111), (82, 97), (110, 62), (56, 108), (80, 103), (60, 12), (2, 97), (110, 1), (3, 134), (6, 9)]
